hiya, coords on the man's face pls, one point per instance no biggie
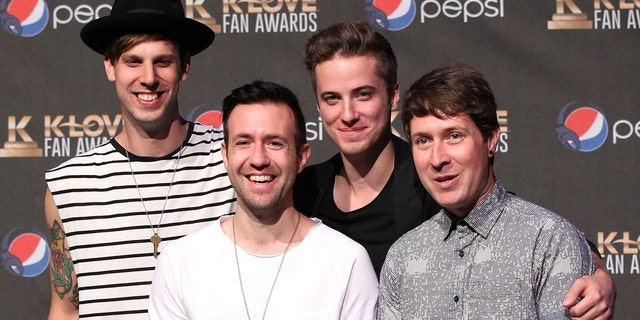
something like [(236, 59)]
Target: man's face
[(147, 79), (354, 104), (261, 156), (453, 160)]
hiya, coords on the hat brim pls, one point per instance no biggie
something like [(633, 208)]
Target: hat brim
[(101, 33)]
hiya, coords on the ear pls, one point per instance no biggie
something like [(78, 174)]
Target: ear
[(223, 150), (303, 156), (395, 97), (109, 69), (492, 142), (185, 73)]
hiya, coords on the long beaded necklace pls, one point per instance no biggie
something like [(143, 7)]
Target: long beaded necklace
[(155, 238), (235, 251)]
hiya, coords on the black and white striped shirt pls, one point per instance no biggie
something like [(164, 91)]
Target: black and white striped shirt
[(105, 223)]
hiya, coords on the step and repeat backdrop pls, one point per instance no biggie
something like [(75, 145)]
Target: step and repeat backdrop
[(565, 74)]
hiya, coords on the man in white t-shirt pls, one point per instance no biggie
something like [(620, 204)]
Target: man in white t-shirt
[(268, 261)]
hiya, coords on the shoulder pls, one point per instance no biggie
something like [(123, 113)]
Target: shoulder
[(327, 239), (199, 131), (548, 228), (311, 182), (102, 154), (322, 170), (533, 214), (192, 244), (204, 141)]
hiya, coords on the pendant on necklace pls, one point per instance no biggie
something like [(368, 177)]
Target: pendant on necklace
[(155, 239)]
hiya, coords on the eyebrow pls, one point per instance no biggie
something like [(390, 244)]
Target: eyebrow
[(448, 129), (357, 89), (169, 56), (251, 136)]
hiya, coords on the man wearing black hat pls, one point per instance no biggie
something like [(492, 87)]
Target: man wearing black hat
[(111, 210)]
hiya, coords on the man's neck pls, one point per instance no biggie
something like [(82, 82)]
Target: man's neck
[(153, 143), (463, 212), (363, 177), (255, 236)]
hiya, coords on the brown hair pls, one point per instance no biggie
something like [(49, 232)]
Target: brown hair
[(448, 92), (348, 39)]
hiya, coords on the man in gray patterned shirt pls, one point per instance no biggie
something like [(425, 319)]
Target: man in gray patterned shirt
[(488, 254)]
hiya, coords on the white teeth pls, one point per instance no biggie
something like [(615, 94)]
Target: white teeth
[(260, 178), (148, 96)]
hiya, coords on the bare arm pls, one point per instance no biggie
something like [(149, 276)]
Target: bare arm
[(597, 294), (64, 285)]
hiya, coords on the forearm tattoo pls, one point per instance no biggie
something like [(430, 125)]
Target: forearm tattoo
[(61, 265)]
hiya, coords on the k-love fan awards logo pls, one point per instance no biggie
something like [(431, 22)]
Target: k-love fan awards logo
[(606, 15), (71, 135), (257, 16), (620, 251), (395, 15), (584, 127), (27, 18), (63, 136)]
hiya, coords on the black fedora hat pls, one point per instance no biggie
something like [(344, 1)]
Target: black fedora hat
[(165, 17)]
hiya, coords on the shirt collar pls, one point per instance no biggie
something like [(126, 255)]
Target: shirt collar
[(482, 217)]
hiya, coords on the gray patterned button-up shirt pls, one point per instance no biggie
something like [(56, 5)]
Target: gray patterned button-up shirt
[(508, 259)]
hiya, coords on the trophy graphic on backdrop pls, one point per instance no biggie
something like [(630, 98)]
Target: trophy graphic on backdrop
[(14, 148), (574, 20)]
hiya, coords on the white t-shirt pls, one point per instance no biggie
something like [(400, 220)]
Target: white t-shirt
[(326, 276)]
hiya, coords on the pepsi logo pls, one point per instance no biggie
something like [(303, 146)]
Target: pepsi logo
[(584, 129), (206, 114), (25, 254), (391, 15), (24, 18), (211, 117)]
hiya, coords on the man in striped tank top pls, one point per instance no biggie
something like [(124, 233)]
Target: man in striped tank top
[(113, 209)]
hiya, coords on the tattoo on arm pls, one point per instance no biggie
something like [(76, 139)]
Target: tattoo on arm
[(61, 265), (74, 297)]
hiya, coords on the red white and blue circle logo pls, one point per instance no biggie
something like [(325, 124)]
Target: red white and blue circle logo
[(203, 114), (24, 254), (24, 18), (391, 15), (584, 129)]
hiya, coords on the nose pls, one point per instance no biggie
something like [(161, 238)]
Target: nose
[(259, 158), (348, 113), (149, 77), (439, 156)]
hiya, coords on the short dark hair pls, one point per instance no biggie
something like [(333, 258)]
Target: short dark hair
[(448, 92), (350, 39), (263, 91)]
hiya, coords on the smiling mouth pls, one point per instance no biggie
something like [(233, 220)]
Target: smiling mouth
[(148, 97), (260, 179)]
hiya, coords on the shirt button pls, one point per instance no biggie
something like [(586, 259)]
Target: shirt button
[(456, 299), (461, 253)]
